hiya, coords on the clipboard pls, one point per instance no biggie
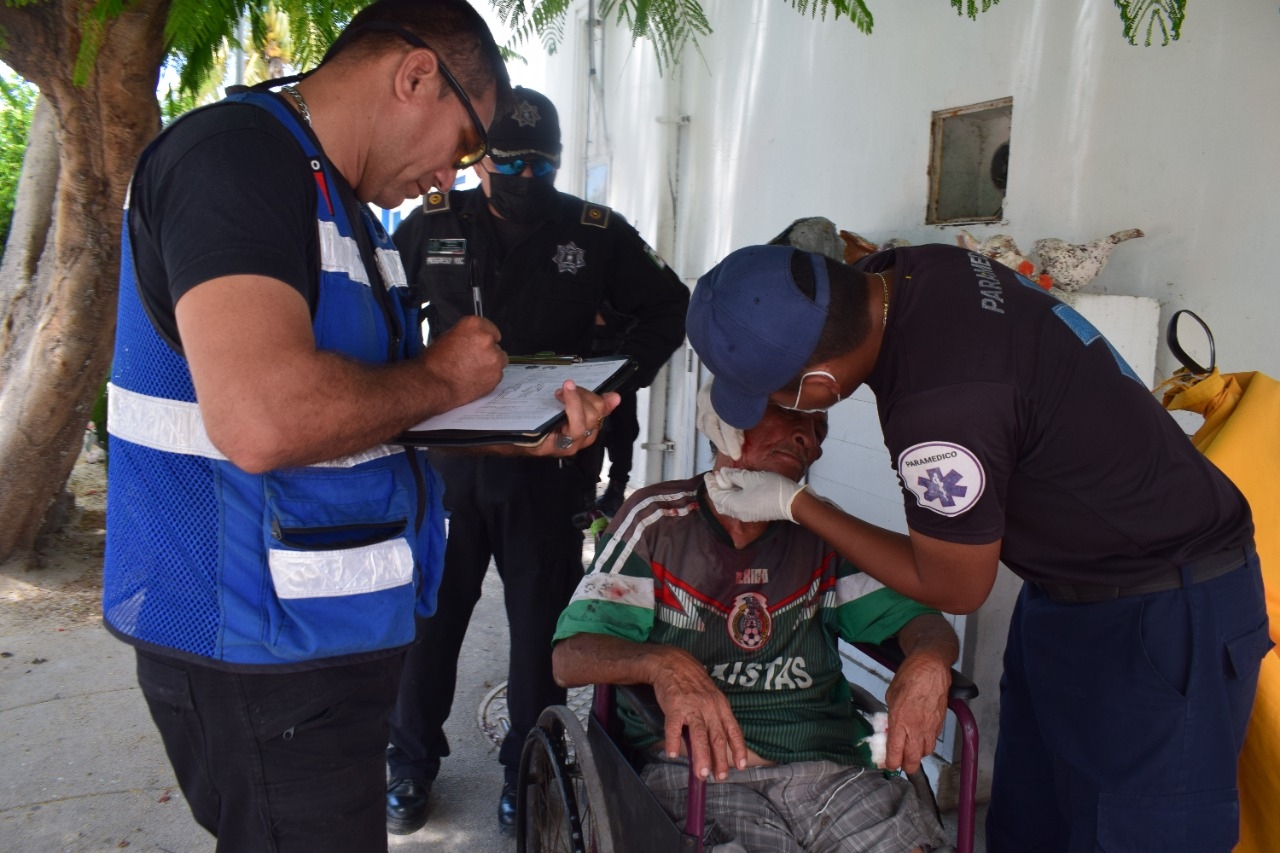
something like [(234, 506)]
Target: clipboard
[(523, 409)]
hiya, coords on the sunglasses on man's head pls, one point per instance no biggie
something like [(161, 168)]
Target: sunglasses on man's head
[(470, 150), (541, 166)]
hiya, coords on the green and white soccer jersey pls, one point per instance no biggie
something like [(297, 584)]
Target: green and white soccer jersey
[(763, 619)]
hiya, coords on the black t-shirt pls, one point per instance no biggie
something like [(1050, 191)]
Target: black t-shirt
[(1009, 416), (227, 191)]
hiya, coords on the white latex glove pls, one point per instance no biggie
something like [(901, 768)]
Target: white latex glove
[(752, 495), (727, 439)]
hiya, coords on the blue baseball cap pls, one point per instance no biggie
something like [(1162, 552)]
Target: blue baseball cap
[(754, 328)]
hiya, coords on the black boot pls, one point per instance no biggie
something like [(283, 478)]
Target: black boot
[(407, 805), (507, 806), (611, 501)]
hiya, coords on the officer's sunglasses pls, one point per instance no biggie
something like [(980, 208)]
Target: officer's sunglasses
[(471, 148), (541, 167)]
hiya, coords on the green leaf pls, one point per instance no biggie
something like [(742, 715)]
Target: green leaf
[(970, 7), (1166, 16), (855, 10)]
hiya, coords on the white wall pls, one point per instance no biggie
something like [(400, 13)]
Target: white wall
[(791, 116)]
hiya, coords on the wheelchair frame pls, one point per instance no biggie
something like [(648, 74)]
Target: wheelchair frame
[(579, 792)]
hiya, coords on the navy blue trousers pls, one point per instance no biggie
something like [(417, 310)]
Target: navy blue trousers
[(1121, 721)]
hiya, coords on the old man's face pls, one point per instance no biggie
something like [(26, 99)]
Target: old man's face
[(785, 442)]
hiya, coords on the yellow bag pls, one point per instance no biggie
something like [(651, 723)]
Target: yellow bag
[(1241, 435)]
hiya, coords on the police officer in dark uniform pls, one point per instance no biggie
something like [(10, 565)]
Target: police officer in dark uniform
[(540, 264)]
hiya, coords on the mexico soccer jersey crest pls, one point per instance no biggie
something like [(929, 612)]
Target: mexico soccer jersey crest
[(749, 622)]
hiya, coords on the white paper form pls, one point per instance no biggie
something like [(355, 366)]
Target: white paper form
[(525, 398)]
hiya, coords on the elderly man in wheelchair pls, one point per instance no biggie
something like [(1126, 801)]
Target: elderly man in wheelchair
[(735, 626)]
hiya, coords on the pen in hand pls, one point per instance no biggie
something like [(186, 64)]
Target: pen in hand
[(476, 302)]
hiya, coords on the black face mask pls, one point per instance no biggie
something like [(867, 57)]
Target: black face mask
[(523, 200)]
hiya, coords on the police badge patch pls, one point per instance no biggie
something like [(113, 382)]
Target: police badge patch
[(749, 622), (569, 258), (526, 114)]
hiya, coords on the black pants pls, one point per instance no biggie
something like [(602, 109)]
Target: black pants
[(621, 429), (289, 763), (518, 512)]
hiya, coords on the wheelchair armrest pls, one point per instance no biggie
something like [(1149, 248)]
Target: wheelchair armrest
[(889, 654), (644, 702)]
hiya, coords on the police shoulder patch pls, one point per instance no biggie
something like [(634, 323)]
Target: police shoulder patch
[(654, 256), (944, 477), (435, 201), (595, 214)]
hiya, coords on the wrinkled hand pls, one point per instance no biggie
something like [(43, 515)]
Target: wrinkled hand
[(467, 360), (689, 698), (727, 439), (917, 700), (752, 495), (584, 415)]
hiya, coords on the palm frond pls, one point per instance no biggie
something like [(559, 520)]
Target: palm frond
[(855, 10), (971, 8), (1163, 15), (528, 18), (669, 25)]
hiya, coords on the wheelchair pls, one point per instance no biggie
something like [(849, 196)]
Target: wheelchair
[(578, 789)]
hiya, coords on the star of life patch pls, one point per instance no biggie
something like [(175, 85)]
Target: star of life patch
[(749, 623), (944, 477)]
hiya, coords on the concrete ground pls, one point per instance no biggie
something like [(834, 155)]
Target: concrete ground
[(82, 769)]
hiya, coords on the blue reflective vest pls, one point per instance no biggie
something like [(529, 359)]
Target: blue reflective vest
[(294, 565)]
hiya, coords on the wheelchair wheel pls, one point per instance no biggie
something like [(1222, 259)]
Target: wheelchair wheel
[(560, 801)]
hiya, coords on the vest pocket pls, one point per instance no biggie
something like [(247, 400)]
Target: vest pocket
[(342, 571)]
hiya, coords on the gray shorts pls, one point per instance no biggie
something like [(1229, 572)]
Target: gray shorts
[(814, 806)]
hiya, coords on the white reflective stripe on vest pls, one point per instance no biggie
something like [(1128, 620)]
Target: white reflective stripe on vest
[(169, 425), (177, 427), (342, 254), (324, 574), (392, 268)]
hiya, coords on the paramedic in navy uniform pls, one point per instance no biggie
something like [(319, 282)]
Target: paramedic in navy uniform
[(544, 262), (266, 549), (1020, 435)]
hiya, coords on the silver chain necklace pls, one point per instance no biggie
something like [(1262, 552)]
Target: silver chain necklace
[(302, 105)]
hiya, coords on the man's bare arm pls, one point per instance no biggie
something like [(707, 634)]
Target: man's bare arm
[(269, 398), (946, 575), (917, 695), (687, 695)]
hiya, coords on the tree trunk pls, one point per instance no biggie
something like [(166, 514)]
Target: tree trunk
[(32, 226), (58, 320)]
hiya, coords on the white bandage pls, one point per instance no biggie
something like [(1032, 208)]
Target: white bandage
[(727, 439)]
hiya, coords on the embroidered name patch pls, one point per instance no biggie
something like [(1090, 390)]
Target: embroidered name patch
[(946, 478), (452, 252)]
